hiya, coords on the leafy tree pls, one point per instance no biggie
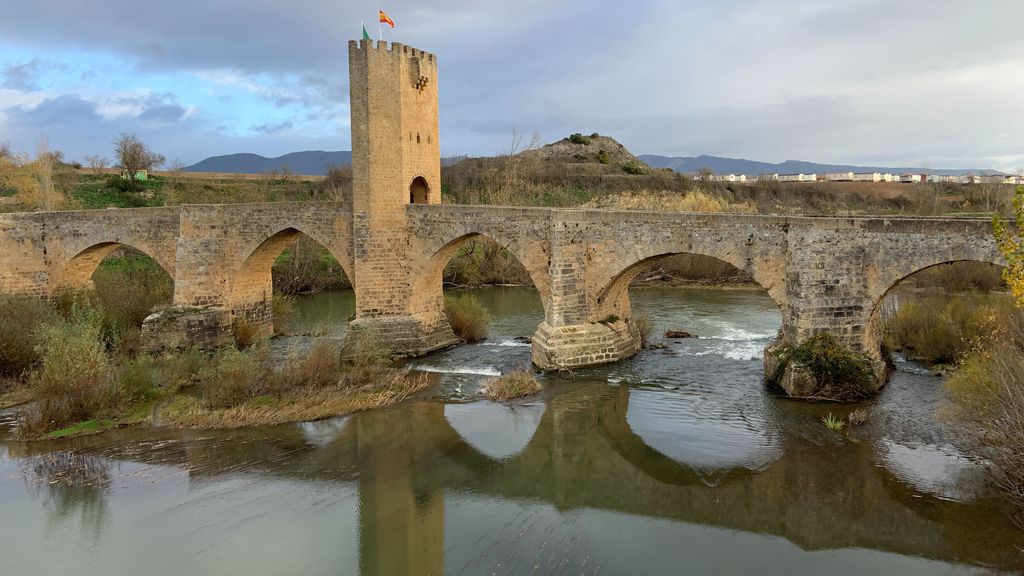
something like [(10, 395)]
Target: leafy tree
[(1010, 241)]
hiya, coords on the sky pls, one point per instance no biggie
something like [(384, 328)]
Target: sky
[(931, 83)]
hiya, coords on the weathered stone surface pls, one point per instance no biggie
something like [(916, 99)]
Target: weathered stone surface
[(180, 327)]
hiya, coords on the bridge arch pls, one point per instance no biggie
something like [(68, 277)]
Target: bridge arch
[(252, 281), (889, 280), (612, 294), (426, 285), (77, 272)]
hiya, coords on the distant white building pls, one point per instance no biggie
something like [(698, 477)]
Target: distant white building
[(991, 179), (839, 177), (912, 178), (1013, 180), (729, 178), (867, 177), (942, 179), (798, 177)]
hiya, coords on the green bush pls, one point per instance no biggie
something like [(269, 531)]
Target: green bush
[(633, 167), (841, 374), (72, 383), (467, 317), (578, 138), (136, 381), (602, 156)]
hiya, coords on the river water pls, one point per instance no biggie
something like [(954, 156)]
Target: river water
[(676, 461)]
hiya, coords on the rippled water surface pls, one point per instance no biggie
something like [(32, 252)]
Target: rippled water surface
[(676, 461)]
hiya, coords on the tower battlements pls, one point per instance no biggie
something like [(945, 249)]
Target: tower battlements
[(395, 48)]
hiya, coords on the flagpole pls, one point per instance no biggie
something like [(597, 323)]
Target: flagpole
[(380, 31)]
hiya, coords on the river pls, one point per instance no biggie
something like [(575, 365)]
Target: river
[(676, 461)]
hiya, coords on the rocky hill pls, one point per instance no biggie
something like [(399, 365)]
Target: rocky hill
[(590, 150)]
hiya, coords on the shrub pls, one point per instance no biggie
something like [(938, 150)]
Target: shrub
[(73, 381), (841, 375), (136, 381), (236, 376), (858, 417), (129, 287), (364, 347), (988, 392), (183, 368), (247, 334), (602, 156), (943, 328), (578, 138), (512, 385), (633, 167), (467, 317), (21, 318), (317, 369)]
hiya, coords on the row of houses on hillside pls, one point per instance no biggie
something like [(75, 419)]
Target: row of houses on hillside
[(907, 178)]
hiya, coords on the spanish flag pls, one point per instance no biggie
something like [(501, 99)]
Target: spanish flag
[(384, 19)]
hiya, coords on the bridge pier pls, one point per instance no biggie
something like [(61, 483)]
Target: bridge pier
[(571, 336)]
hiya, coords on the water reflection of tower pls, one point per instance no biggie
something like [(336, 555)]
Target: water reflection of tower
[(401, 512)]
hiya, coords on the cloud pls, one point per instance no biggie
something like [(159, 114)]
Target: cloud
[(54, 111), (22, 77), (826, 80), (163, 113), (271, 128)]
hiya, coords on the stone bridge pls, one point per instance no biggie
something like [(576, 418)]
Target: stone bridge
[(393, 239), (826, 274)]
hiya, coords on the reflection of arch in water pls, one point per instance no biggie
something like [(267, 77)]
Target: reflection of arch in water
[(495, 430), (709, 440), (615, 429)]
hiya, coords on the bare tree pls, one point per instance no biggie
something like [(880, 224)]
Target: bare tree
[(512, 174), (45, 161), (97, 163), (133, 156), (5, 150), (705, 174)]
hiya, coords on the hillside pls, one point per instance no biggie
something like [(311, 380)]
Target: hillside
[(720, 165)]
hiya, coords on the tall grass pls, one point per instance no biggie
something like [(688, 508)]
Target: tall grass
[(512, 385), (467, 317)]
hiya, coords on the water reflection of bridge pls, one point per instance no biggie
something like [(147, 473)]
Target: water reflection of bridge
[(583, 454)]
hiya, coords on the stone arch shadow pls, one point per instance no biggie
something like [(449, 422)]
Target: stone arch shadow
[(78, 270), (612, 294), (426, 290), (252, 283)]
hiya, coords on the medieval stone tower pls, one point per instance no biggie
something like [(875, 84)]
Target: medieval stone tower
[(396, 158), (396, 161)]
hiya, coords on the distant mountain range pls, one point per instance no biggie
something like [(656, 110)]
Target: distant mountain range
[(316, 162), (719, 165), (310, 163)]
